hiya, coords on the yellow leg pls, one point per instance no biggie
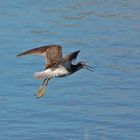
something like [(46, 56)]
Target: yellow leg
[(39, 89), (40, 92)]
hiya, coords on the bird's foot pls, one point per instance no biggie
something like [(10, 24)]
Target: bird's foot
[(40, 92)]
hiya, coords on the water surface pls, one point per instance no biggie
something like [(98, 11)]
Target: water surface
[(103, 105)]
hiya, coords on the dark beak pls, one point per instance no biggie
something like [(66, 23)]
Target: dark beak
[(89, 68)]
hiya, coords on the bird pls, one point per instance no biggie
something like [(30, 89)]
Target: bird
[(56, 65)]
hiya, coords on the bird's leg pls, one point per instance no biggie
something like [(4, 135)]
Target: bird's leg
[(41, 92), (40, 88)]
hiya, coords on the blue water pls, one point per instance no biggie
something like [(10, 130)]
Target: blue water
[(104, 105)]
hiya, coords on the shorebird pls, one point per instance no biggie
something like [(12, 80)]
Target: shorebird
[(56, 64)]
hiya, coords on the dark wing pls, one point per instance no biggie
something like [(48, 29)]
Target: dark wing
[(52, 53), (72, 56), (67, 60)]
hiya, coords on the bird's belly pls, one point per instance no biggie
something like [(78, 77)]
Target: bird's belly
[(63, 75), (61, 72)]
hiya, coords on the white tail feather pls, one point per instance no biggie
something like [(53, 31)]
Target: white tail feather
[(43, 74), (48, 73), (39, 75)]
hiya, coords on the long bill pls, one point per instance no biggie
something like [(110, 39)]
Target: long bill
[(89, 68)]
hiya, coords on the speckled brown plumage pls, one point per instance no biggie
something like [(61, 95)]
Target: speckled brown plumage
[(52, 53)]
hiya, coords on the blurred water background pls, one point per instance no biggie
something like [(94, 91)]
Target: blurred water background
[(104, 105)]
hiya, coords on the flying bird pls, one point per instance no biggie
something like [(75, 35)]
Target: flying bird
[(56, 65)]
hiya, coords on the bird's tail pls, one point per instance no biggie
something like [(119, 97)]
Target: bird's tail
[(40, 75)]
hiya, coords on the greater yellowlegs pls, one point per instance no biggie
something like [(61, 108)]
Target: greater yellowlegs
[(56, 65)]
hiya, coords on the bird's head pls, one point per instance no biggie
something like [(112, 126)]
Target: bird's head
[(83, 65)]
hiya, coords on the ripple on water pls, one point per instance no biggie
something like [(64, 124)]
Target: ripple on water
[(99, 105)]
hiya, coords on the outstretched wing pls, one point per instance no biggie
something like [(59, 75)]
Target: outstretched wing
[(52, 53)]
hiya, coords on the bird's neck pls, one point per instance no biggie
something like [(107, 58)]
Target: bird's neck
[(76, 67)]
